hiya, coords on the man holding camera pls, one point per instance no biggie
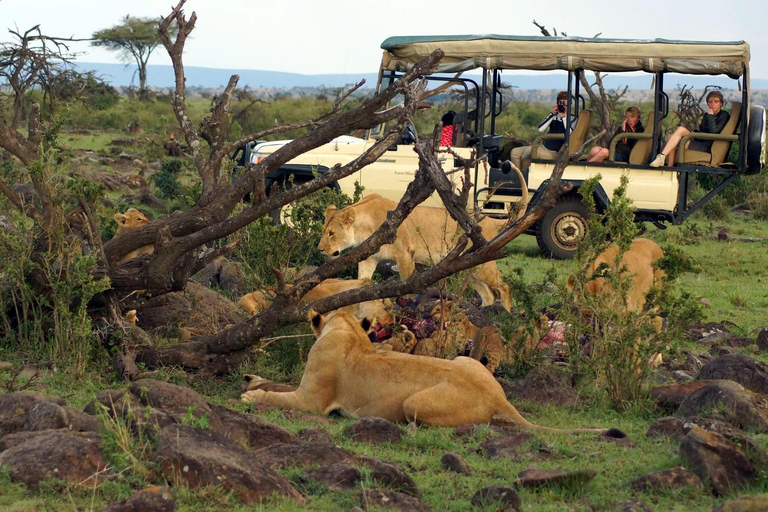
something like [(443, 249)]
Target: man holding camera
[(555, 122)]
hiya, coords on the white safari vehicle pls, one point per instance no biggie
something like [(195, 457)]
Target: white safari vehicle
[(660, 195)]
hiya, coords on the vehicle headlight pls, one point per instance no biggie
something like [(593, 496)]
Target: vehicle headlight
[(256, 158)]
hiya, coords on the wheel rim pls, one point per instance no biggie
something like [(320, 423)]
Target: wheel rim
[(568, 229)]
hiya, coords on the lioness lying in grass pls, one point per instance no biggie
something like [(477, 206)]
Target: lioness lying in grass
[(345, 373)]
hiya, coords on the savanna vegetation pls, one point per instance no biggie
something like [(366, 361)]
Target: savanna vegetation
[(90, 153)]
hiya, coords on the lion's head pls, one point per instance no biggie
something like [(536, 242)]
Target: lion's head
[(337, 231), (130, 220)]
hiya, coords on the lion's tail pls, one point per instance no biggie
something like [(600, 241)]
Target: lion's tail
[(509, 414)]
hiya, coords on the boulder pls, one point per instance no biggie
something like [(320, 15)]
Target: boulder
[(314, 435), (762, 339), (673, 395), (375, 498), (665, 479), (716, 460), (202, 457), (14, 409), (375, 431), (177, 401), (249, 429), (502, 498), (749, 372), (335, 477), (45, 416), (283, 455), (534, 477), (452, 462), (154, 498), (729, 401), (506, 445), (394, 478), (756, 503), (17, 438), (74, 459)]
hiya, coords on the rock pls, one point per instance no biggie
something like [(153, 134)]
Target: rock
[(45, 416), (137, 162), (665, 479), (749, 372), (196, 307), (472, 430), (721, 351), (394, 478), (14, 409), (285, 455), (756, 503), (681, 376), (5, 366), (741, 341), (693, 363), (502, 498), (11, 440), (198, 458), (533, 477), (632, 506), (232, 278), (699, 331), (314, 435), (507, 445), (452, 462), (677, 428), (762, 339), (716, 460), (177, 401), (154, 498), (672, 396), (25, 190), (248, 429), (391, 499), (74, 459), (727, 400), (543, 385), (375, 431), (716, 339), (335, 477)]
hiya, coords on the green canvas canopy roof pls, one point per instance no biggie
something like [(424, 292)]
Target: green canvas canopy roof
[(491, 51)]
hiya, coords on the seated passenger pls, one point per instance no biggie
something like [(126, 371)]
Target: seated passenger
[(446, 139), (631, 124), (555, 122), (713, 122)]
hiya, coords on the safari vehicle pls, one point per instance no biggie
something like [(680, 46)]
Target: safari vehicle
[(660, 195)]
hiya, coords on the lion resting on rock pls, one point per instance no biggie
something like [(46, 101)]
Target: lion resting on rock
[(346, 373), (424, 237)]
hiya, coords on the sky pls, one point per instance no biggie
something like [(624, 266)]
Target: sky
[(335, 36)]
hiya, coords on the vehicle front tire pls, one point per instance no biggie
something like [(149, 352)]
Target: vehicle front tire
[(562, 228)]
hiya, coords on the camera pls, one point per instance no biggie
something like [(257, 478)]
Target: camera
[(561, 106)]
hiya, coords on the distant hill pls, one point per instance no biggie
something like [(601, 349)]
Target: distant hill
[(119, 75)]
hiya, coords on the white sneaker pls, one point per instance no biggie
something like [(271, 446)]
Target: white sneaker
[(659, 160)]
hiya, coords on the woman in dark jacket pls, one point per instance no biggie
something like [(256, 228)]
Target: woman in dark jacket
[(713, 122)]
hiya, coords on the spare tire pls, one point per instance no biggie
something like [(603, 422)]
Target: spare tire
[(756, 139)]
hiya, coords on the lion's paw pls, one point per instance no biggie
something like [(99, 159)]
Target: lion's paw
[(256, 395)]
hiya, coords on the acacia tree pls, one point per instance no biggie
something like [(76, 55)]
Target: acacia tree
[(34, 60), (134, 39), (179, 239)]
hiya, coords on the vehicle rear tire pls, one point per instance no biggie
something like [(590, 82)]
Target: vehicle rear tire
[(562, 228), (756, 139)]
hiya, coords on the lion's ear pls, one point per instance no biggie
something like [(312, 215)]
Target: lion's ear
[(317, 321), (347, 217), (330, 212), (372, 336), (120, 218), (365, 324)]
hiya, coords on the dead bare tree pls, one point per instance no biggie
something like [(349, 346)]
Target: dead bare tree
[(689, 110), (179, 239)]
